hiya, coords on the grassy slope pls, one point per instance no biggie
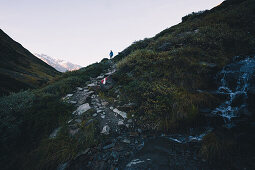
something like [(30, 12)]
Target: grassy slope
[(19, 69), (28, 117), (162, 74)]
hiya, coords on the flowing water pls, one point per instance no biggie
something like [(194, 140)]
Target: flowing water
[(179, 151), (234, 84)]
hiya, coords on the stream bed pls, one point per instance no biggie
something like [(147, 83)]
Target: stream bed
[(181, 151)]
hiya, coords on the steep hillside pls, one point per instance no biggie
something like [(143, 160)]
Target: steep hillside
[(28, 117), (58, 64), (169, 75), (19, 69), (182, 99)]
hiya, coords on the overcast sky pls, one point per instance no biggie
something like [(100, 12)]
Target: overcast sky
[(84, 31)]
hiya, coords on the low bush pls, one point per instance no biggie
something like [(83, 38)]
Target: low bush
[(193, 15), (219, 146), (28, 117), (63, 148)]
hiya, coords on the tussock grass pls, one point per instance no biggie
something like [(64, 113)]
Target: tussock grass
[(162, 74), (63, 148), (219, 147), (30, 116)]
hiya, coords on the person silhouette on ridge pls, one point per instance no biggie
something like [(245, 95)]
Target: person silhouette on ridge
[(111, 54)]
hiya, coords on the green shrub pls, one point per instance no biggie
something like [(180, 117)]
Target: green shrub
[(13, 110), (64, 86), (135, 46), (193, 15), (219, 147), (30, 118), (63, 148)]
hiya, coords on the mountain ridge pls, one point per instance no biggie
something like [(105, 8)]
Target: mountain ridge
[(20, 69), (58, 64)]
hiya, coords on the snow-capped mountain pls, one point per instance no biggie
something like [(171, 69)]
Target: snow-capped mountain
[(58, 64)]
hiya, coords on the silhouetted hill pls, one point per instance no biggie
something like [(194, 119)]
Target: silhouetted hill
[(20, 69)]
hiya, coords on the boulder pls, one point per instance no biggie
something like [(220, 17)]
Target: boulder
[(92, 85), (105, 130), (196, 31), (120, 123), (73, 102), (86, 90), (82, 108), (79, 88), (122, 114)]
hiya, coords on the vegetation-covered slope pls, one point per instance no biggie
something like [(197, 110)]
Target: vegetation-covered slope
[(19, 69), (166, 79), (165, 75), (28, 117)]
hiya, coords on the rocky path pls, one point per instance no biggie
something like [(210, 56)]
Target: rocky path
[(125, 145), (122, 138)]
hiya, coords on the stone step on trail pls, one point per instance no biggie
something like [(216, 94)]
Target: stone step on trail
[(82, 108)]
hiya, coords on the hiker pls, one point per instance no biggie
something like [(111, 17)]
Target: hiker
[(111, 54)]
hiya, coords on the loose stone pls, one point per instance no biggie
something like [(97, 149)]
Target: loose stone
[(105, 130)]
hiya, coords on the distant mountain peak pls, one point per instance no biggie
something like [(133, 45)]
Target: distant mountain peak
[(58, 64)]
